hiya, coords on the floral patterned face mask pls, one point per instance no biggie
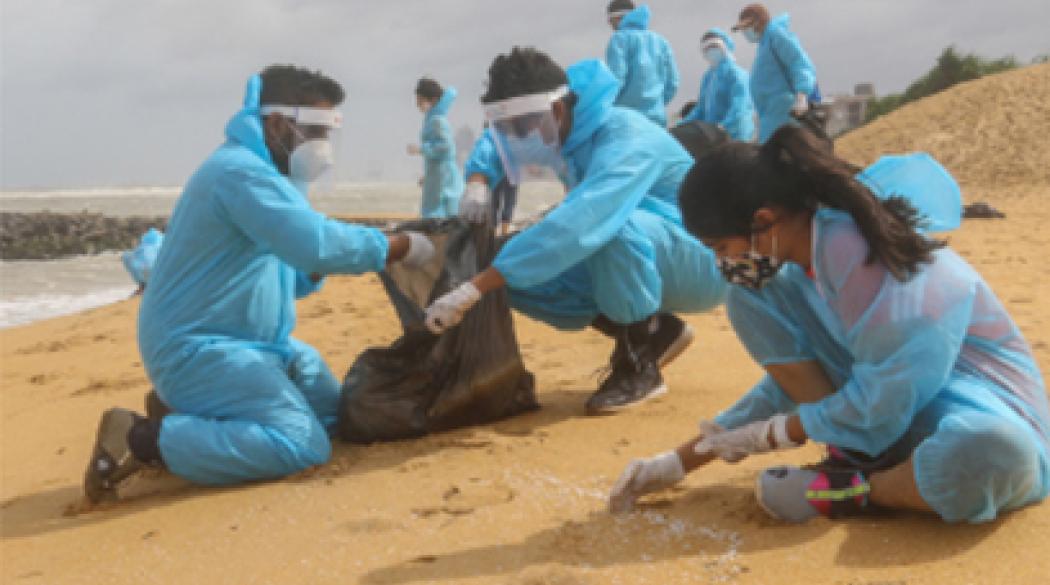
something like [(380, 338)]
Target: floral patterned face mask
[(752, 269)]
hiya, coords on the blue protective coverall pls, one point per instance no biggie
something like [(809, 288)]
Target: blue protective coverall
[(442, 183), (932, 368), (781, 70), (139, 261), (484, 160), (644, 63), (249, 402), (615, 245), (725, 98)]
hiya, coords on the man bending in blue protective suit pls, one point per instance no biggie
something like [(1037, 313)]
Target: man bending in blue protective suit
[(725, 98), (876, 340), (642, 60), (783, 78), (247, 401), (613, 254)]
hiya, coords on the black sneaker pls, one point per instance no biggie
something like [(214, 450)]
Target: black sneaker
[(671, 337), (111, 461), (838, 459), (634, 375)]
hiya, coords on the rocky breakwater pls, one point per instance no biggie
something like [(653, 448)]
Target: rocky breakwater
[(45, 235)]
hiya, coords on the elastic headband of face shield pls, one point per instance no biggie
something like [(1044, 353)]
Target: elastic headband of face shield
[(522, 105), (618, 13), (307, 116)]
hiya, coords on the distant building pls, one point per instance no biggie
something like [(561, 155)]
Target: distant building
[(846, 112)]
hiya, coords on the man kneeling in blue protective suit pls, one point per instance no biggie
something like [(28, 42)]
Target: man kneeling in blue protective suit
[(613, 254), (247, 401)]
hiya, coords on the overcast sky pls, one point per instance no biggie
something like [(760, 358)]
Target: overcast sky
[(120, 92)]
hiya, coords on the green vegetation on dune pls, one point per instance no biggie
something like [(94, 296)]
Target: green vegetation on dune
[(951, 68)]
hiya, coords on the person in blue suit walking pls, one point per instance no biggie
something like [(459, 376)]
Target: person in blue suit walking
[(783, 79), (642, 60), (442, 181)]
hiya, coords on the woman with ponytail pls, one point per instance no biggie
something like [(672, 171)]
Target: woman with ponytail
[(876, 340)]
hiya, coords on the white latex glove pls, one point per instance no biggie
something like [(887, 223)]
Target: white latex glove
[(643, 476), (801, 105), (752, 438), (475, 204), (448, 310), (420, 250)]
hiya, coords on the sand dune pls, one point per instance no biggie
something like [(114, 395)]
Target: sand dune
[(991, 132), (522, 501)]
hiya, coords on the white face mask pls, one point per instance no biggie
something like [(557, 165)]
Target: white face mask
[(751, 35), (713, 55), (310, 160), (315, 154)]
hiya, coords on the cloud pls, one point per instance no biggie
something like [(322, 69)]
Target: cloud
[(111, 92)]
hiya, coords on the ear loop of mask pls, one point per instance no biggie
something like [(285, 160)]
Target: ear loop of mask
[(754, 247)]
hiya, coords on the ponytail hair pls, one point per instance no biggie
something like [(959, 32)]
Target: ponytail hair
[(796, 172)]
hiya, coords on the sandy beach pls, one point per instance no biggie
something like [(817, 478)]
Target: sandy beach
[(523, 501)]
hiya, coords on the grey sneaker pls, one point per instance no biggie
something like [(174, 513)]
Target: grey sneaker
[(111, 461), (794, 494)]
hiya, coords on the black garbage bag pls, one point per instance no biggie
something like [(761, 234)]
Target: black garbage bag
[(699, 138), (981, 210), (471, 374)]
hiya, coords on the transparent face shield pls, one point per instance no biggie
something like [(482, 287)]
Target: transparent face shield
[(527, 135), (713, 50), (315, 145)]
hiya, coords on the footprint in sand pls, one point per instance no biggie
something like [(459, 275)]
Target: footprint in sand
[(466, 498), (108, 385), (40, 379), (44, 347), (320, 310)]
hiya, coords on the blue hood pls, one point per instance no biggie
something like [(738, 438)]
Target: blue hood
[(245, 127), (596, 89), (722, 35), (780, 22), (444, 104), (636, 19)]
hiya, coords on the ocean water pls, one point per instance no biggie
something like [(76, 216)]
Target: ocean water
[(32, 290)]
